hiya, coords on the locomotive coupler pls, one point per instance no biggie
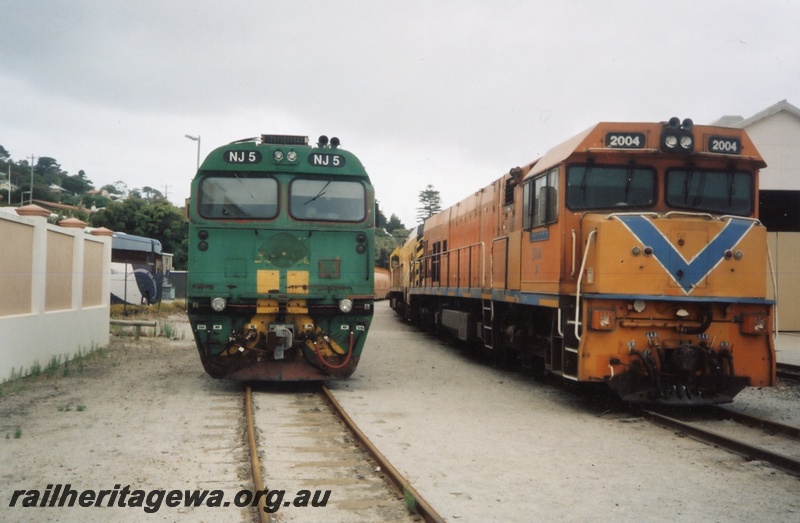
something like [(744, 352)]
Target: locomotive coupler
[(280, 339), (683, 375)]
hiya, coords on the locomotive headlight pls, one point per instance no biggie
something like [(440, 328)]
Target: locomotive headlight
[(277, 156), (291, 156), (345, 305), (218, 304), (677, 136)]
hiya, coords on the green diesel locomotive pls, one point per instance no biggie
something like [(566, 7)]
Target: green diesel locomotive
[(281, 243)]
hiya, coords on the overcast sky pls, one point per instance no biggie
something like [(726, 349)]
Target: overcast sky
[(448, 93)]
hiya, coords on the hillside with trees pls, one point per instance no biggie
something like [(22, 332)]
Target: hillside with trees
[(143, 212)]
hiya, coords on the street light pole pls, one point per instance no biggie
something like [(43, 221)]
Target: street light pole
[(196, 139), (30, 202)]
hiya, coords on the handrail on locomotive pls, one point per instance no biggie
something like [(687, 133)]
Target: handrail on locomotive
[(427, 263)]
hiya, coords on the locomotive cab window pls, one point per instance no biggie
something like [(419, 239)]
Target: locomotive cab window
[(594, 186), (327, 200), (238, 196), (725, 192), (540, 200)]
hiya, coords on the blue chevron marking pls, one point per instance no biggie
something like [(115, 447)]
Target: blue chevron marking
[(687, 274)]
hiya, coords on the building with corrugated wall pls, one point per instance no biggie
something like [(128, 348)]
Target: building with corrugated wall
[(776, 133)]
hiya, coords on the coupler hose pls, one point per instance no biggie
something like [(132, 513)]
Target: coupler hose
[(342, 365)]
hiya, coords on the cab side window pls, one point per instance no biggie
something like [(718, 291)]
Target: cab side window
[(540, 200)]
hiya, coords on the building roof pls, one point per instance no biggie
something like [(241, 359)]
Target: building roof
[(728, 121), (56, 205), (741, 123)]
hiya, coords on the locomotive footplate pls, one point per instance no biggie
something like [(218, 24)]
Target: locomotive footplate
[(687, 375), (251, 369), (679, 394), (262, 348)]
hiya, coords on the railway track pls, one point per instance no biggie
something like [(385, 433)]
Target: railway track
[(748, 436), (305, 442), (789, 372)]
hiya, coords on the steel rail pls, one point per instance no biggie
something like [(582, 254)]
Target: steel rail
[(774, 426), (788, 372), (423, 508), (745, 450), (255, 464)]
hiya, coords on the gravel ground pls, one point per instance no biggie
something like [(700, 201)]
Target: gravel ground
[(480, 443), (781, 403), (142, 414)]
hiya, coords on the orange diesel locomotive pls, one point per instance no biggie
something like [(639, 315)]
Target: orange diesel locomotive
[(629, 255)]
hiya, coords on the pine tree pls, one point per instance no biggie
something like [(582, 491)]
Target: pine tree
[(431, 203)]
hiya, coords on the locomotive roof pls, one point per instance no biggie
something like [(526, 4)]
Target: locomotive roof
[(559, 153), (250, 155), (593, 140)]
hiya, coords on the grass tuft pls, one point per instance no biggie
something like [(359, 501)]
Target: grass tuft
[(410, 501)]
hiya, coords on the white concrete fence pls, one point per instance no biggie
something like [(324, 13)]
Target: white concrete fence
[(54, 290)]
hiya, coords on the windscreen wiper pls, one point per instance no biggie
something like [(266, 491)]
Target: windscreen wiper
[(320, 193)]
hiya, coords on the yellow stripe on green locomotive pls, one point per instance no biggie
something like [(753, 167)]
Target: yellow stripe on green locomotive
[(281, 247)]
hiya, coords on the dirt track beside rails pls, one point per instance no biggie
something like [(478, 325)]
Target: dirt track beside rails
[(142, 414), (480, 443)]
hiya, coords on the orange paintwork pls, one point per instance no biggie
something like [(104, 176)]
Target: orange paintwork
[(615, 269), (480, 245), (753, 355)]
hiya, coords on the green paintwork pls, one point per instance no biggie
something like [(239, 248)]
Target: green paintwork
[(226, 254)]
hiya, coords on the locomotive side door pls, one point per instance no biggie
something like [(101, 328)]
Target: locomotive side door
[(505, 246), (541, 233)]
